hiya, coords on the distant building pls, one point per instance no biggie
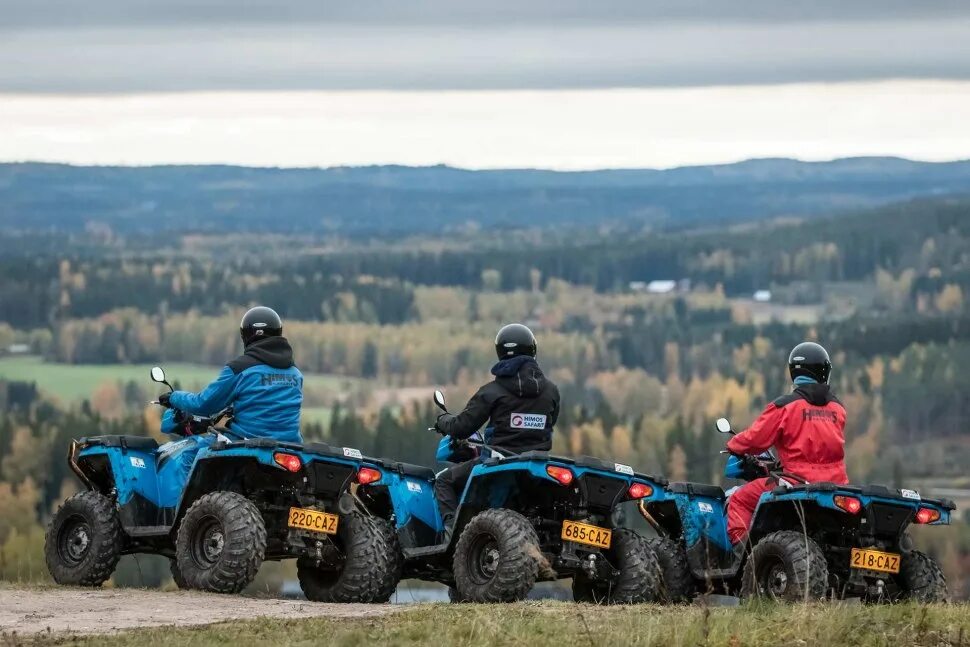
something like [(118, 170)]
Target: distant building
[(661, 287), (18, 349), (762, 296)]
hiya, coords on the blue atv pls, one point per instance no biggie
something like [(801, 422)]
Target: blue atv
[(246, 500), (521, 519), (807, 541)]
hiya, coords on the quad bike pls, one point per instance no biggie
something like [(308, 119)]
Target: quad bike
[(807, 541), (521, 519), (246, 500)]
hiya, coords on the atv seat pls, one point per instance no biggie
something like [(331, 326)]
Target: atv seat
[(140, 443), (698, 489)]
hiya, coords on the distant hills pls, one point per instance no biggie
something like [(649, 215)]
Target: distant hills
[(366, 201)]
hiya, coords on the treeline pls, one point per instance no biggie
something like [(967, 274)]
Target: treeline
[(918, 249)]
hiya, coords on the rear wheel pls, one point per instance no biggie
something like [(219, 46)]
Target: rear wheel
[(84, 540), (497, 558), (677, 585), (639, 579), (370, 570), (221, 544), (786, 566), (921, 579)]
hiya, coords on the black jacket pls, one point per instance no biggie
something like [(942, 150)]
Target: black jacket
[(521, 407)]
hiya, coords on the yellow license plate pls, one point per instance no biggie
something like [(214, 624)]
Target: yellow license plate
[(313, 520), (874, 560), (582, 533)]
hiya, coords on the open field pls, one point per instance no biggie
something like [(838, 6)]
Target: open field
[(75, 382), (537, 624)]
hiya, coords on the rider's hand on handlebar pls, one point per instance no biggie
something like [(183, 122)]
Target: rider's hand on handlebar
[(164, 398)]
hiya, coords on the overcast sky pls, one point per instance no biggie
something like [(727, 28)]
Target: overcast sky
[(320, 53)]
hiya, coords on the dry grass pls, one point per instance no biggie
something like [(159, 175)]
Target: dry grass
[(553, 624)]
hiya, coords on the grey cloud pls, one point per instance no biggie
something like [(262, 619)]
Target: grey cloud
[(146, 45)]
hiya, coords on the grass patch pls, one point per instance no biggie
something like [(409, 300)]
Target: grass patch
[(72, 383), (555, 624)]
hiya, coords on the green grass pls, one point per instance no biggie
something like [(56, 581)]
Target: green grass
[(552, 624), (76, 382), (316, 414)]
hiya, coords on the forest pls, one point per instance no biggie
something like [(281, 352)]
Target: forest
[(384, 319)]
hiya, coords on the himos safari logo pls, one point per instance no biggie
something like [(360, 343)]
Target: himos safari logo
[(528, 421)]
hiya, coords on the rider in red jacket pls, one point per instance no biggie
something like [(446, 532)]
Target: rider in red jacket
[(806, 427)]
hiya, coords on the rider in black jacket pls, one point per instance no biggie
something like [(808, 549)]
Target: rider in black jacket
[(520, 405)]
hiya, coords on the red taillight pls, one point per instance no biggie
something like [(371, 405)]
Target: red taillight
[(561, 474), (366, 476), (639, 490), (927, 515), (850, 504), (289, 462)]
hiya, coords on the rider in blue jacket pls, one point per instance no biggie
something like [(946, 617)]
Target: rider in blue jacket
[(263, 385)]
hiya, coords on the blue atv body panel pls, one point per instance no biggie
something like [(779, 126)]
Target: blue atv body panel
[(490, 485), (151, 493), (702, 512)]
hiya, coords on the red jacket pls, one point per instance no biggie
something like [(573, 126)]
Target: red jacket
[(807, 428)]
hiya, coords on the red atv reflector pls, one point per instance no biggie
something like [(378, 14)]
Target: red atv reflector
[(927, 515), (366, 476), (289, 462), (850, 504), (639, 490), (561, 474)]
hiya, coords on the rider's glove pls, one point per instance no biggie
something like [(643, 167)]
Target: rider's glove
[(164, 398), (437, 422)]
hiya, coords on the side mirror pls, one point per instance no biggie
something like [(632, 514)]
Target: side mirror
[(724, 426), (158, 375), (439, 399)]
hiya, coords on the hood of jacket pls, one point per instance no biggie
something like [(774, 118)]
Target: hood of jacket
[(272, 351), (520, 376), (817, 395)]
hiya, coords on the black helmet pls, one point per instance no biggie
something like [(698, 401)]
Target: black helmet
[(810, 359), (515, 339), (258, 323)]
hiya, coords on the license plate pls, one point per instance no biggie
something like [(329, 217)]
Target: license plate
[(313, 520), (582, 533), (874, 560)]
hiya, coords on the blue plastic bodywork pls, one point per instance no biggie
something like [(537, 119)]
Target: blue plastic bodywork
[(413, 496), (153, 474)]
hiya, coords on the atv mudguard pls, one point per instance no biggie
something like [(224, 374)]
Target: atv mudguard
[(786, 506), (143, 479)]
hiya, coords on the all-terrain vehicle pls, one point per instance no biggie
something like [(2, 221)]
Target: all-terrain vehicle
[(522, 518), (246, 500), (807, 540)]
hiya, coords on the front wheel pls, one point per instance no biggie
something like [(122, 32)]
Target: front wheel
[(677, 585), (921, 579), (786, 566), (84, 540), (369, 572), (221, 544), (639, 579), (497, 558)]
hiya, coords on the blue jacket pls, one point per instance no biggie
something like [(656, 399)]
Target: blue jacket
[(264, 387)]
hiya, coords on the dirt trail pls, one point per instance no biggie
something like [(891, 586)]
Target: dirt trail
[(89, 611)]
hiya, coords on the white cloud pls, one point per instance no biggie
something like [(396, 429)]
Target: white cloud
[(578, 129)]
